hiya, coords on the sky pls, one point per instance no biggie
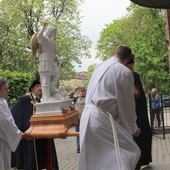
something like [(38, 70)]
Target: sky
[(96, 14)]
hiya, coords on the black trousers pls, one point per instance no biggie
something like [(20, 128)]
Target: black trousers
[(156, 112)]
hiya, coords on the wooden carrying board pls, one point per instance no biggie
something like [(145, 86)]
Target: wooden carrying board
[(53, 125)]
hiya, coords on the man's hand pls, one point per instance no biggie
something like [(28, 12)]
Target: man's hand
[(137, 133), (137, 92)]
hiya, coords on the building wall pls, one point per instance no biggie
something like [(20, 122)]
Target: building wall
[(80, 79)]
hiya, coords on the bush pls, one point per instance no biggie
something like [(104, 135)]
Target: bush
[(18, 82)]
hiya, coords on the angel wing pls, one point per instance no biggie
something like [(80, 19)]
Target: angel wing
[(34, 45)]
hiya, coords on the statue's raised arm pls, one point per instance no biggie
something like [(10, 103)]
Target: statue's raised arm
[(49, 63)]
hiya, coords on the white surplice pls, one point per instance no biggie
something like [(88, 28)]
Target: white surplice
[(10, 135), (111, 90)]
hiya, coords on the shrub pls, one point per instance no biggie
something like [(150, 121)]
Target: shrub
[(18, 82)]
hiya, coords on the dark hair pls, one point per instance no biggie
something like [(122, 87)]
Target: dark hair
[(131, 61), (34, 83), (2, 81), (124, 51)]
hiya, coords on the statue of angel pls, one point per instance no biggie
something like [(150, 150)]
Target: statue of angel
[(49, 62)]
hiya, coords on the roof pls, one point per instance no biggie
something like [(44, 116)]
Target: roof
[(81, 75), (162, 4)]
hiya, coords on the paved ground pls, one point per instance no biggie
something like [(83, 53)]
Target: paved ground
[(68, 158)]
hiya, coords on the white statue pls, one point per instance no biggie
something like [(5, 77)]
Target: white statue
[(49, 63)]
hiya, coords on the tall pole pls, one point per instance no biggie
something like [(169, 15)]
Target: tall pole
[(167, 14)]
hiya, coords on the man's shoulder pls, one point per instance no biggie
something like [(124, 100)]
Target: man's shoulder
[(22, 101), (136, 75), (24, 98), (121, 69)]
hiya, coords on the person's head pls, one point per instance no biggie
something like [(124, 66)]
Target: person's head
[(82, 92), (51, 31), (130, 64), (4, 88), (124, 53), (35, 87), (154, 91)]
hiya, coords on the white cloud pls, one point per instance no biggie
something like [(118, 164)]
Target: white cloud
[(96, 14)]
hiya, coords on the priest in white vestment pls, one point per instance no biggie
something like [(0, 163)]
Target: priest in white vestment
[(108, 121), (10, 135)]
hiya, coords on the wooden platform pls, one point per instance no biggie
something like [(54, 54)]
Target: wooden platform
[(53, 125)]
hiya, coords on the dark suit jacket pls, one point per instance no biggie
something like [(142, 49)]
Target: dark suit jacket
[(24, 156), (144, 140)]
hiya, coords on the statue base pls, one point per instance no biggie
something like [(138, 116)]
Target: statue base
[(52, 107), (55, 125)]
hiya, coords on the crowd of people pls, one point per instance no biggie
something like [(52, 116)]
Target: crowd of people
[(115, 132)]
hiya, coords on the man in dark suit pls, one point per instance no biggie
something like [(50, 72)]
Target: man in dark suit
[(32, 154), (144, 140)]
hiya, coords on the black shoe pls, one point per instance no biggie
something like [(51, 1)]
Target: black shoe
[(78, 150)]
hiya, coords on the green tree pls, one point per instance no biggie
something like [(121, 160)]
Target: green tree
[(19, 20), (143, 29), (90, 71), (110, 37)]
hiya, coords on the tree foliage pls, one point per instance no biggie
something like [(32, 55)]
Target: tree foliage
[(143, 29), (90, 71), (19, 20), (19, 84)]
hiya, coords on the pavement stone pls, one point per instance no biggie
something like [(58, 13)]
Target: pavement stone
[(68, 157)]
